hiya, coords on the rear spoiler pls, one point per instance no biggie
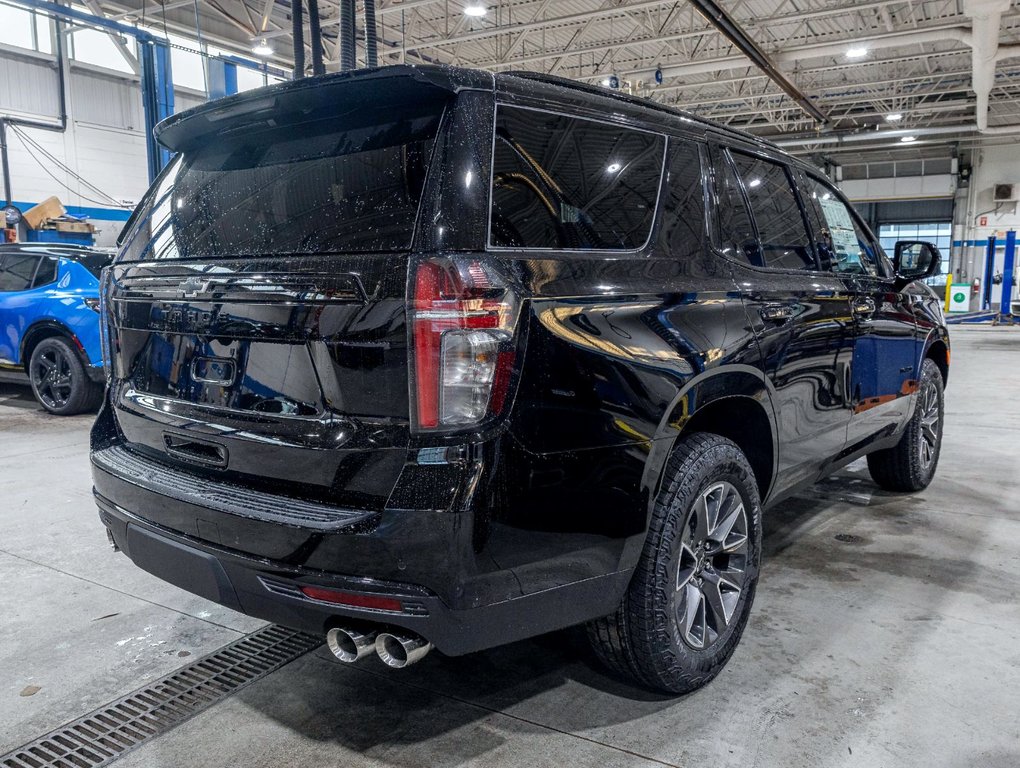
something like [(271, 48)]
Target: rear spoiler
[(297, 99)]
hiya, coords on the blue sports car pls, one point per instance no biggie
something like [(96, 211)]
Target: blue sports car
[(49, 323)]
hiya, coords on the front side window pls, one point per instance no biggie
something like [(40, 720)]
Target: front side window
[(336, 184), (562, 182), (782, 234), (17, 271), (842, 241)]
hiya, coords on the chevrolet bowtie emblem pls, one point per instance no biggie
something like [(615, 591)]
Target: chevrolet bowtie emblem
[(193, 286)]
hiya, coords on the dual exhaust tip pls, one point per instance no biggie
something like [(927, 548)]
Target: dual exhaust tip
[(396, 649)]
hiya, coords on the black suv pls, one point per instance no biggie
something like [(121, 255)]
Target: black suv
[(422, 356)]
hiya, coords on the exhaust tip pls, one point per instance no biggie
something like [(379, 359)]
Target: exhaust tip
[(350, 645), (399, 651)]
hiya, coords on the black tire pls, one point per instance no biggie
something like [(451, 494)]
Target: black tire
[(59, 380), (646, 639), (910, 464)]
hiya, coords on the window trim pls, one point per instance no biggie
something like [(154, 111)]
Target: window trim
[(642, 249)]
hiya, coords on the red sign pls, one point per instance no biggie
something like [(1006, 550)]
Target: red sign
[(983, 221)]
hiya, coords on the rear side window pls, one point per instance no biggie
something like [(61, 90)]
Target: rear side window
[(841, 240), (735, 235), (17, 271), (344, 183), (46, 273), (683, 209), (782, 234), (562, 182)]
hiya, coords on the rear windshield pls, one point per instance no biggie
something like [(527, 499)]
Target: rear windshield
[(346, 182), (94, 261)]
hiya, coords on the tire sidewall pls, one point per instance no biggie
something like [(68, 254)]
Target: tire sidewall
[(675, 659)]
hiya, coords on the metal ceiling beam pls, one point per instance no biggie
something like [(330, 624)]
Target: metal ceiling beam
[(736, 35)]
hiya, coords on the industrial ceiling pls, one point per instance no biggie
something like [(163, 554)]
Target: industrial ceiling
[(839, 69)]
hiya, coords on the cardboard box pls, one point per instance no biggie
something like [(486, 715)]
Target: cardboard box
[(50, 208), (62, 225)]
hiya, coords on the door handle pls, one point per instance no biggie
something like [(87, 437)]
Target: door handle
[(776, 313), (863, 307)]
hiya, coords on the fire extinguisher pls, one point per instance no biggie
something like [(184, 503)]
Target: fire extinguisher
[(975, 287)]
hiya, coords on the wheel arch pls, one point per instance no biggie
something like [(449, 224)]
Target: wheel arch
[(735, 403), (937, 351), (46, 329)]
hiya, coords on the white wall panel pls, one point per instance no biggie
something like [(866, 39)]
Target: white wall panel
[(101, 99), (28, 86)]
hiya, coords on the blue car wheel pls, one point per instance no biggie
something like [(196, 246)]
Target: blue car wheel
[(59, 380)]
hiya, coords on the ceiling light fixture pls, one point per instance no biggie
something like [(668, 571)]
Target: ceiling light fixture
[(475, 10), (908, 139), (261, 47), (613, 167), (857, 53), (894, 117)]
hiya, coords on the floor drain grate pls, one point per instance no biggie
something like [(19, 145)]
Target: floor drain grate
[(102, 736)]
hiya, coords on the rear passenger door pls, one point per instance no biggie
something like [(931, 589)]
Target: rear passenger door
[(16, 273), (883, 375), (799, 313)]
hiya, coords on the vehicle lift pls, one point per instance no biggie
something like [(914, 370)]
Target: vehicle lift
[(1004, 314)]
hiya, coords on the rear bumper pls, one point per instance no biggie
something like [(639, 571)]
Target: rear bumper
[(423, 559)]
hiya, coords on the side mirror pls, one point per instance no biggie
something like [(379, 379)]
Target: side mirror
[(916, 260)]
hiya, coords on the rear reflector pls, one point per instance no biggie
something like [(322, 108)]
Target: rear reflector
[(354, 600)]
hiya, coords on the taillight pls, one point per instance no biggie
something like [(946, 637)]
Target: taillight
[(463, 322)]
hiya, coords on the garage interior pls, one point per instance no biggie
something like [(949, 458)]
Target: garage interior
[(886, 628)]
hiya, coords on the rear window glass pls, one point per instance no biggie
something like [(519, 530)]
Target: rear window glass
[(563, 182), (94, 262), (349, 182), (46, 272)]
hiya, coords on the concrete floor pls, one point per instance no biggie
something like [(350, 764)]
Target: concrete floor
[(898, 647)]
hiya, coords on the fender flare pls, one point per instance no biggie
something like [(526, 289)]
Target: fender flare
[(709, 388), (58, 329)]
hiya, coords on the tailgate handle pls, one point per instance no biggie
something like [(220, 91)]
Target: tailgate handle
[(197, 451)]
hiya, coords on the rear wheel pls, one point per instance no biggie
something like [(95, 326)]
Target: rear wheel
[(59, 380), (910, 464), (691, 593)]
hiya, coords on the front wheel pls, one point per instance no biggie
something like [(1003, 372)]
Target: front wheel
[(691, 594), (59, 380), (910, 464)]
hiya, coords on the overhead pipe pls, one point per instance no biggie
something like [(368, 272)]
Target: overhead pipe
[(371, 35), (746, 45), (348, 60), (315, 33), (986, 17), (877, 136), (297, 30)]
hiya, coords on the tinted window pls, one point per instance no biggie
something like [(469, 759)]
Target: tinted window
[(16, 273), (94, 262), (843, 243), (683, 217), (735, 235), (347, 183), (563, 182), (782, 234), (47, 272)]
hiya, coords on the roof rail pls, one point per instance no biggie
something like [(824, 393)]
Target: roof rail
[(638, 101)]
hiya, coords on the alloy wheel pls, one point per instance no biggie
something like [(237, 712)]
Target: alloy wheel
[(51, 377), (929, 423), (712, 565)]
